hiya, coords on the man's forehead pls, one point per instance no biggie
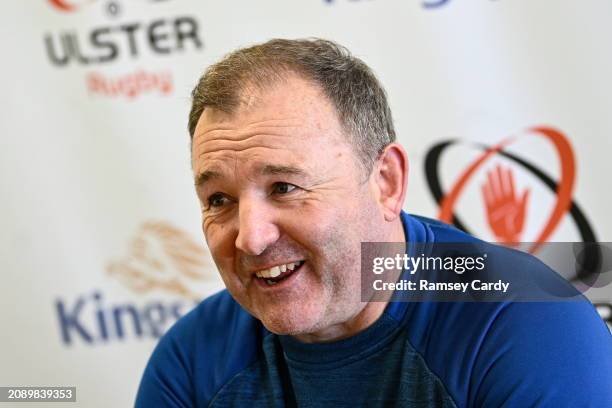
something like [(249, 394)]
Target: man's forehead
[(287, 128), (293, 96)]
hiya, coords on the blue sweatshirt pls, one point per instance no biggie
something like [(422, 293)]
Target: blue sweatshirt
[(417, 354)]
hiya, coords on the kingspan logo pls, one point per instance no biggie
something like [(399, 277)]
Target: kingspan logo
[(161, 260), (92, 319)]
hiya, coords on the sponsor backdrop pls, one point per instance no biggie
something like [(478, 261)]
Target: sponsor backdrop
[(101, 247)]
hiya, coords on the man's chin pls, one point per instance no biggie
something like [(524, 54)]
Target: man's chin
[(289, 325)]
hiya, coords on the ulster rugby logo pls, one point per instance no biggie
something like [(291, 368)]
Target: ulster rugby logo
[(505, 206), (508, 186), (163, 257), (118, 34)]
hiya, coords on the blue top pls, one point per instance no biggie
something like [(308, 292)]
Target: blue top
[(417, 354)]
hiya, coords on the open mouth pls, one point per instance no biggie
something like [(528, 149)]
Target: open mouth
[(278, 273)]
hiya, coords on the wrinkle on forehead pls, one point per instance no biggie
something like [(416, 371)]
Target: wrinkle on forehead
[(247, 143), (258, 125), (235, 153), (225, 133), (296, 118), (285, 134)]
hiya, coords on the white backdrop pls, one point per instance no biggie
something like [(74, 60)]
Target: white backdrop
[(100, 245)]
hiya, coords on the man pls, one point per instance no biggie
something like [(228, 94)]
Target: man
[(295, 165)]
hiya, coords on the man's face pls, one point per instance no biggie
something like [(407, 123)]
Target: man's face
[(280, 186)]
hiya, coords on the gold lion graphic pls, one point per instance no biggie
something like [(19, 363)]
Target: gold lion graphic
[(163, 257)]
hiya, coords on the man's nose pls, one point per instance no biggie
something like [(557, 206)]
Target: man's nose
[(256, 230)]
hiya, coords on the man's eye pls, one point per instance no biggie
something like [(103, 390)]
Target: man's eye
[(216, 200), (282, 188)]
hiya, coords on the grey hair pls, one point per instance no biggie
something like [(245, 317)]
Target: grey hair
[(351, 86)]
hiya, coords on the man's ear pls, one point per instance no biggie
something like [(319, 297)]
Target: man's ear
[(390, 177)]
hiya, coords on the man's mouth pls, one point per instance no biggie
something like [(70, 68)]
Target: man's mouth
[(278, 273)]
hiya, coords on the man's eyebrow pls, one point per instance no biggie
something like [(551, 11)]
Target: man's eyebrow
[(271, 169), (205, 176)]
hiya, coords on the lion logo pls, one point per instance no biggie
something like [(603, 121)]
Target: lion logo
[(163, 257)]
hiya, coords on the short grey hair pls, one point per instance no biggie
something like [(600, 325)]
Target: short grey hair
[(351, 86)]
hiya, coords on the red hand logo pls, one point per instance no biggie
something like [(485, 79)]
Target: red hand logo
[(505, 211)]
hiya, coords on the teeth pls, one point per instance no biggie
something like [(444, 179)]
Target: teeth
[(275, 271)]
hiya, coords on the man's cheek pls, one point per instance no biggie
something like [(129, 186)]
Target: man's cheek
[(221, 248), (225, 267), (232, 283), (224, 264)]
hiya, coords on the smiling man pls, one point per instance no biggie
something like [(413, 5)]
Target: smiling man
[(286, 204), (295, 165)]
